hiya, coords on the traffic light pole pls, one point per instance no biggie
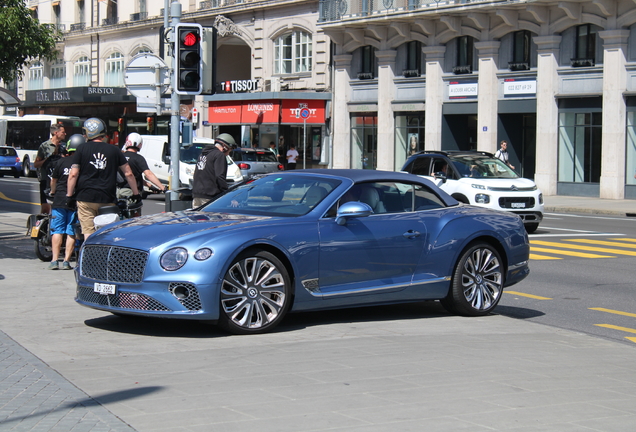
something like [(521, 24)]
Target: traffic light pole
[(175, 103)]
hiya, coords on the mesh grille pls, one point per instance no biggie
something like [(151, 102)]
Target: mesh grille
[(113, 264), (187, 295), (124, 300)]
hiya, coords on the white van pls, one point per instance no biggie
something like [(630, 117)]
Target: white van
[(156, 150)]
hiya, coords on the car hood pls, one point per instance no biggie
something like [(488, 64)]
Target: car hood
[(146, 232), (500, 182)]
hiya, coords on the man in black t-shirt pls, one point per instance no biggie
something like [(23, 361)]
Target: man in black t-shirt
[(138, 163), (93, 178)]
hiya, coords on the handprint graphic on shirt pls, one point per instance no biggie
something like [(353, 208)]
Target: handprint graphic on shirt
[(100, 161), (201, 162)]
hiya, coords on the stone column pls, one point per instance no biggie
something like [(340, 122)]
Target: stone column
[(488, 96), (386, 119), (547, 113), (340, 119), (614, 114), (434, 96)]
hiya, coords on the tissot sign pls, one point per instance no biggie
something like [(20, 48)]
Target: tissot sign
[(238, 86), (297, 111), (76, 94)]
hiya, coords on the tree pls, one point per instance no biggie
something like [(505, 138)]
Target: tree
[(23, 38)]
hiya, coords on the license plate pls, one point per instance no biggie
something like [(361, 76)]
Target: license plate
[(518, 205), (35, 231), (105, 289)]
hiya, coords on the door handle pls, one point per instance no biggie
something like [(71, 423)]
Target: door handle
[(410, 234)]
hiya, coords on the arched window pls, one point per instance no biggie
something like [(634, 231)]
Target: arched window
[(114, 76), (82, 72), (293, 53), (58, 74), (36, 76), (143, 50)]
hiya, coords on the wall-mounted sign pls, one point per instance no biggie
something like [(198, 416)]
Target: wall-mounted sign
[(516, 88), (77, 94), (458, 90), (238, 86), (298, 111)]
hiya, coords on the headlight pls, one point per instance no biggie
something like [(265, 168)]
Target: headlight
[(482, 199), (203, 254), (174, 259), (478, 186)]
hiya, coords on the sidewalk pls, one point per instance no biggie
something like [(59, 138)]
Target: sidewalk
[(331, 371)]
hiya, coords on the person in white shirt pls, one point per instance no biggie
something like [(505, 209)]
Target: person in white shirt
[(292, 155), (502, 154)]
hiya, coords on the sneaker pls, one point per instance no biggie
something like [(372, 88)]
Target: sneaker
[(53, 266), (66, 266)]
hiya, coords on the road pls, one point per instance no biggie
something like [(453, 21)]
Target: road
[(581, 268)]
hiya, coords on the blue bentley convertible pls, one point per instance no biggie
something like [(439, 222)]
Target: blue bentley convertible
[(305, 240)]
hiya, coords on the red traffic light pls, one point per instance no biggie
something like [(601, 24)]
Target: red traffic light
[(190, 38)]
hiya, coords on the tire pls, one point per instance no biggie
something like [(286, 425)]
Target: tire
[(477, 282), (42, 251), (26, 167), (16, 175), (255, 293), (531, 227)]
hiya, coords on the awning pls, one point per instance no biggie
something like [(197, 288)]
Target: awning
[(8, 98)]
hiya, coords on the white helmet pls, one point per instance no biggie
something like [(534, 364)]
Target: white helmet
[(133, 140)]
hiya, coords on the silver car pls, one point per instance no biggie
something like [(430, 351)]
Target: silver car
[(253, 161)]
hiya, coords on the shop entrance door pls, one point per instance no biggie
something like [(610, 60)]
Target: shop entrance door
[(364, 141)]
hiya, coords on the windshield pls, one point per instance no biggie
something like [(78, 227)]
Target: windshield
[(482, 166), (190, 154), (275, 195)]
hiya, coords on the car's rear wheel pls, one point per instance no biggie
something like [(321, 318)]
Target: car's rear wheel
[(531, 227), (477, 282), (255, 293), (26, 167)]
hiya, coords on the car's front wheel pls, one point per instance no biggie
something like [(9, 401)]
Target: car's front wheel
[(255, 293), (531, 227), (477, 282)]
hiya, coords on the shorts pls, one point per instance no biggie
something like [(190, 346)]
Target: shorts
[(86, 212), (43, 185), (62, 221)]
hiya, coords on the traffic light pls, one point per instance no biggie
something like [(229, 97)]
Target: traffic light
[(150, 124), (187, 55)]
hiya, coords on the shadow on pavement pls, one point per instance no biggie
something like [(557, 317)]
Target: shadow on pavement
[(518, 312)]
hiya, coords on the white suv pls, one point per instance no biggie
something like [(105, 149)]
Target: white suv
[(480, 179)]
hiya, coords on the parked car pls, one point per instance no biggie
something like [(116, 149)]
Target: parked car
[(156, 150), (479, 178), (9, 162), (253, 161), (305, 240)]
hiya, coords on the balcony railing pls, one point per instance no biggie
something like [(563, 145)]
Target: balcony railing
[(461, 70), (334, 10), (365, 76), (411, 73), (208, 4), (582, 62), (138, 16), (110, 21), (518, 66), (60, 27), (78, 26)]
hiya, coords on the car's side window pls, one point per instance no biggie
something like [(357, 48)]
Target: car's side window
[(421, 166)]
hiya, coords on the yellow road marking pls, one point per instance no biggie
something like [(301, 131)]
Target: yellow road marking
[(542, 257), (613, 327), (601, 242), (587, 248), (4, 197), (578, 254), (629, 314), (624, 239), (527, 295), (633, 339)]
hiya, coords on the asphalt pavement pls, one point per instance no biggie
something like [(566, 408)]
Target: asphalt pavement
[(401, 368)]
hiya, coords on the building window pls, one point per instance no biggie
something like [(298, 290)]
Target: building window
[(413, 59), (82, 72), (409, 136), (585, 46), (143, 50), (465, 48), (364, 136), (293, 53), (631, 148), (36, 81), (521, 41), (80, 12), (580, 147), (57, 16), (368, 64), (114, 76), (58, 74)]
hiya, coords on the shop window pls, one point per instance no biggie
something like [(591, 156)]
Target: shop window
[(409, 136), (36, 81), (114, 75), (631, 149), (58, 74), (413, 59), (82, 72), (364, 135), (585, 46), (368, 63), (293, 53), (521, 41), (465, 48), (580, 147)]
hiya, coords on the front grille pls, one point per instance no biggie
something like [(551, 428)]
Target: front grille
[(187, 295), (124, 300), (507, 202), (113, 264)]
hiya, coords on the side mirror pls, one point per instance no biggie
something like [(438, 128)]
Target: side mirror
[(352, 209), (440, 175)]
